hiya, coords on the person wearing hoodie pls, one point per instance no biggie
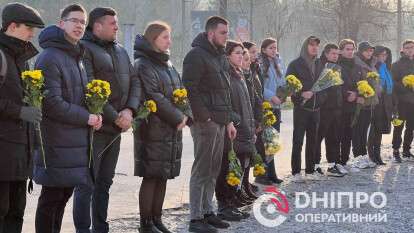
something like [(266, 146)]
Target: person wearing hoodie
[(383, 111), (158, 140), (307, 68), (205, 75), (331, 118), (19, 24), (105, 59), (272, 79), (66, 120), (351, 73), (364, 58), (405, 98)]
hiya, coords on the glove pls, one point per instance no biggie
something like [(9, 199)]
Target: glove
[(30, 114)]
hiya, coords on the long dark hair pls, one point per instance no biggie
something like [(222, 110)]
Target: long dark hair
[(265, 60)]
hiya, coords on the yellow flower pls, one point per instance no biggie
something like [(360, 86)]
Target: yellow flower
[(397, 122), (373, 75), (408, 81), (294, 82), (365, 89), (151, 105), (258, 170), (266, 106), (269, 118)]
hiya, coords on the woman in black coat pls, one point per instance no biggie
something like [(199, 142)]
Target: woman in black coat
[(382, 114), (158, 141)]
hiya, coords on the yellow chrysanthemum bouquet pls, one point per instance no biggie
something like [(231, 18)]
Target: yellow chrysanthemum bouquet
[(270, 135), (149, 106), (293, 85), (258, 165), (329, 77), (180, 98), (366, 91), (97, 95), (234, 176), (408, 81), (33, 82)]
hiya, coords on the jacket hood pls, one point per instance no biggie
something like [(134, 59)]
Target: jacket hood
[(310, 61), (54, 37), (202, 41), (143, 48)]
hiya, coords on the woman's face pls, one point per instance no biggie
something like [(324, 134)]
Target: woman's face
[(271, 50), (163, 41), (253, 53), (382, 57), (246, 61), (367, 54), (236, 57)]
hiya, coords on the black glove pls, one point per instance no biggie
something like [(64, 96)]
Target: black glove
[(30, 114)]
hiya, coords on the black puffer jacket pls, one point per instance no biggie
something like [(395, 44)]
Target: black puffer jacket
[(334, 99), (65, 115), (244, 142), (303, 72), (205, 75), (158, 144), (109, 61), (15, 136), (401, 68), (351, 74), (254, 87)]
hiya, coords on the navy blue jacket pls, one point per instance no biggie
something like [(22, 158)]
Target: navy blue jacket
[(65, 121)]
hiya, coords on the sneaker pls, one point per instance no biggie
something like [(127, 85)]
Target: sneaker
[(334, 171), (297, 178), (341, 168), (201, 226), (397, 158), (371, 164), (352, 168), (360, 162), (313, 176), (243, 213), (319, 170), (215, 221), (229, 215), (408, 156)]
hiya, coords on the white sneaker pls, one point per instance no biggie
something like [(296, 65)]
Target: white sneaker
[(369, 162), (361, 162), (314, 176), (352, 168), (342, 169), (297, 178)]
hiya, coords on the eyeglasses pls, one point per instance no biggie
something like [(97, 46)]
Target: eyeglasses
[(76, 21)]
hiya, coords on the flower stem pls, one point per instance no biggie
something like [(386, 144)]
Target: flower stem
[(90, 146), (42, 150)]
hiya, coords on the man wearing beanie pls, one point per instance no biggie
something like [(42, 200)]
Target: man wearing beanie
[(107, 60), (18, 27)]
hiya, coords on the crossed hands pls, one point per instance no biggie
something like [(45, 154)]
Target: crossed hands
[(124, 120)]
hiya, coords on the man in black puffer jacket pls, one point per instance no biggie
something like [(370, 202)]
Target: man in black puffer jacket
[(205, 75), (306, 116), (404, 66), (16, 139), (105, 59)]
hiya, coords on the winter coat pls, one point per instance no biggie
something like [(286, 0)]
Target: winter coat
[(158, 143)]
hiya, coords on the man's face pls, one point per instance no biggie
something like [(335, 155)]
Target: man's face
[(348, 51), (367, 54), (382, 57), (313, 48), (332, 55), (408, 50), (107, 27), (220, 35), (74, 25), (22, 31)]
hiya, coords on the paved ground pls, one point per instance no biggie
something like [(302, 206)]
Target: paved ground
[(394, 179)]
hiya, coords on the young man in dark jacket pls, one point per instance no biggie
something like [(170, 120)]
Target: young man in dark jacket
[(351, 73), (19, 22), (306, 116), (66, 120), (331, 118), (404, 66), (105, 59), (205, 75)]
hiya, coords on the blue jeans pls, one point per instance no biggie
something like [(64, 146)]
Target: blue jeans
[(96, 198)]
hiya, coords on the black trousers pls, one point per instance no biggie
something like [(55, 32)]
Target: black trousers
[(50, 208), (360, 133), (329, 128), (407, 114), (345, 137), (304, 122), (374, 143), (151, 197), (12, 206)]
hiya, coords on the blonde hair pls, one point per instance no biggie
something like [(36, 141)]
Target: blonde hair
[(154, 29)]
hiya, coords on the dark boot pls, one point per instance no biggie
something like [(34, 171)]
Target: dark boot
[(271, 173), (254, 188), (160, 226), (147, 226)]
